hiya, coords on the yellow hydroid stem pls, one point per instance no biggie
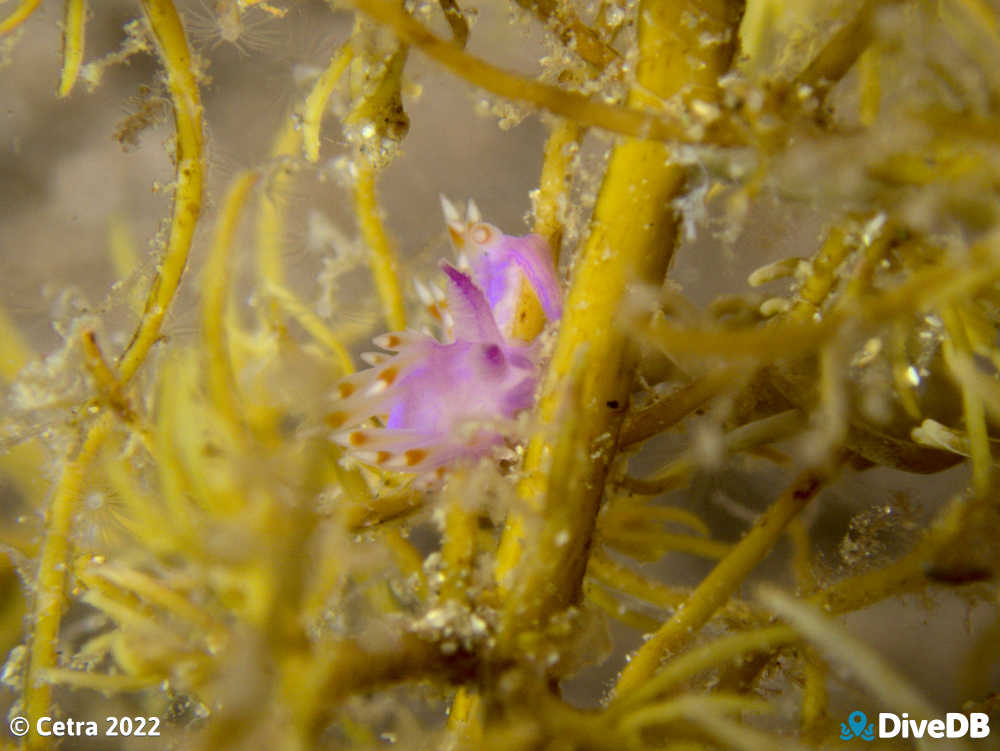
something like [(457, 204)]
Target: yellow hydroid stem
[(814, 669), (51, 578), (542, 555), (720, 584), (215, 294), (183, 85), (109, 386), (313, 324), (19, 16), (957, 348), (315, 104), (836, 643), (271, 212), (630, 121), (553, 187), (383, 261), (74, 20), (710, 655), (463, 717)]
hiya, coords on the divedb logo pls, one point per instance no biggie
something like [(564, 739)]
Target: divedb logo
[(954, 725)]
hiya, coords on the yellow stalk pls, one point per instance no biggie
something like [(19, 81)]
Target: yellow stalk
[(142, 513), (562, 21), (671, 409), (383, 261), (463, 718), (19, 16), (51, 577), (628, 121), (74, 20), (542, 555), (553, 186), (689, 708), (50, 581), (156, 593), (216, 282), (407, 557), (173, 485), (904, 575), (814, 694), (552, 190), (183, 86), (458, 549), (720, 584), (109, 387), (653, 544), (624, 579), (795, 338), (313, 324), (714, 653), (957, 349), (838, 644), (751, 435), (596, 595), (271, 211), (315, 104), (13, 605), (871, 88), (815, 697), (823, 275), (104, 683)]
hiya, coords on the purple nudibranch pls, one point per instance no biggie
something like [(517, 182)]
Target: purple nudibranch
[(439, 402)]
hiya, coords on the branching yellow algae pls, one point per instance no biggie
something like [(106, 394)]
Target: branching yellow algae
[(183, 86), (216, 284), (564, 473), (623, 120), (208, 553), (49, 597), (719, 585)]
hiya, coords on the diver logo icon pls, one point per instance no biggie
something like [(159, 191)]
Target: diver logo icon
[(857, 726)]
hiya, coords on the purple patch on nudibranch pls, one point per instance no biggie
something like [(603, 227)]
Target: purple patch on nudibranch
[(442, 401)]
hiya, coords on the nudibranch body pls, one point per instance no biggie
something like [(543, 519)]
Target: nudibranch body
[(440, 401)]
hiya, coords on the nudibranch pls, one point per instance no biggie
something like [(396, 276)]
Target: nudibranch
[(438, 401)]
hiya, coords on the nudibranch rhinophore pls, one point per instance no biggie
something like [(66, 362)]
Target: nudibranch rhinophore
[(441, 401)]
